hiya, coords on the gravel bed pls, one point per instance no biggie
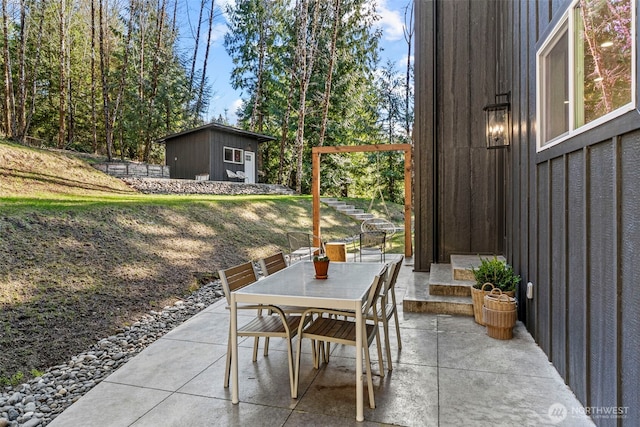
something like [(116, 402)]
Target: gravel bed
[(189, 186), (39, 401)]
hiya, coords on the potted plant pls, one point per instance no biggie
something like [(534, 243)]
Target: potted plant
[(496, 274), (321, 265)]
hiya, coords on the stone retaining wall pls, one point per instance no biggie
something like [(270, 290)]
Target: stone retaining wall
[(121, 170)]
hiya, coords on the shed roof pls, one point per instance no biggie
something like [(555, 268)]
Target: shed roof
[(222, 128)]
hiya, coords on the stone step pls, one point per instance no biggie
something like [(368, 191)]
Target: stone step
[(441, 282), (462, 264)]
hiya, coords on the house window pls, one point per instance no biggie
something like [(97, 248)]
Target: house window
[(233, 155), (585, 69)]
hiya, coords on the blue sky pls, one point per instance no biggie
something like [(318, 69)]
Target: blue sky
[(224, 97)]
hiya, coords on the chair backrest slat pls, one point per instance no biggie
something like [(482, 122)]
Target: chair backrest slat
[(392, 274), (273, 263), (237, 277), (374, 292)]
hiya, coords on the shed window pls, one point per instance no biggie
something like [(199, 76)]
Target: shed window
[(233, 155), (585, 69)]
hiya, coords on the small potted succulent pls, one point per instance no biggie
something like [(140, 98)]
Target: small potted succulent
[(492, 273), (321, 265)]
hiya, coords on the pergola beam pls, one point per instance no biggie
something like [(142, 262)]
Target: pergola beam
[(315, 182)]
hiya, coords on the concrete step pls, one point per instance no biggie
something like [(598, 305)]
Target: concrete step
[(419, 299), (362, 216), (462, 264), (343, 208), (441, 282), (352, 211), (438, 304), (328, 200), (336, 204)]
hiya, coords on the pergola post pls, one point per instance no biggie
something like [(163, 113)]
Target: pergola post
[(315, 191), (315, 183)]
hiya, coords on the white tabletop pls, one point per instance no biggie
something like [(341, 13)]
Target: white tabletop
[(347, 285)]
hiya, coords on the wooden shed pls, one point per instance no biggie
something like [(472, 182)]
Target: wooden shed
[(561, 202), (214, 152)]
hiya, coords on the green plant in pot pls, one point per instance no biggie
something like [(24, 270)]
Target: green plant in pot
[(321, 265), (492, 273)]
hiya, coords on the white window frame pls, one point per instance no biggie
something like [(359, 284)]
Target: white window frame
[(568, 21), (233, 155)]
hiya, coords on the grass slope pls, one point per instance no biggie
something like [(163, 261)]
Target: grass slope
[(82, 254)]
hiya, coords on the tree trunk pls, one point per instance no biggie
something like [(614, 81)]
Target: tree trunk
[(408, 36), (94, 113), (194, 59), (62, 110), (306, 54), (22, 77), (9, 100), (154, 81), (332, 59), (203, 79), (34, 69)]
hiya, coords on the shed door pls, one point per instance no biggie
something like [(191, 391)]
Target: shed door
[(249, 167)]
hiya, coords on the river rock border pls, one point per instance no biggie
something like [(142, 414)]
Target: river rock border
[(40, 400)]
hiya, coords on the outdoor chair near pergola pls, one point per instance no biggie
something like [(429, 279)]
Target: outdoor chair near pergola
[(316, 186)]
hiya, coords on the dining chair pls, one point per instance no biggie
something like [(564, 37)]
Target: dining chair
[(326, 326), (273, 263), (387, 308), (301, 245), (263, 325), (372, 243), (268, 266)]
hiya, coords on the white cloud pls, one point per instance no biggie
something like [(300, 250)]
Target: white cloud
[(391, 21), (218, 31), (235, 105)]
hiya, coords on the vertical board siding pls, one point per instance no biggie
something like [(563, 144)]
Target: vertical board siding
[(572, 219), (486, 197), (629, 273), (453, 118), (558, 266), (543, 295), (577, 292), (601, 246), (424, 184), (192, 152)]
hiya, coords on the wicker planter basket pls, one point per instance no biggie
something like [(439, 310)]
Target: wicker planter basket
[(496, 300), (477, 297), (499, 323)]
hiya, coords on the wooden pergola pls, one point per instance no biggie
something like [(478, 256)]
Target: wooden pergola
[(315, 182)]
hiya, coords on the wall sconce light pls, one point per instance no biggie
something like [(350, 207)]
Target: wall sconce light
[(498, 125)]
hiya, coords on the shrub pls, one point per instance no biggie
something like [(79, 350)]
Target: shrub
[(496, 272)]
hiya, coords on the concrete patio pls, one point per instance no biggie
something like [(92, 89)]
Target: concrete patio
[(448, 373)]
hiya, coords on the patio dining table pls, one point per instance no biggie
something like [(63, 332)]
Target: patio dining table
[(346, 288)]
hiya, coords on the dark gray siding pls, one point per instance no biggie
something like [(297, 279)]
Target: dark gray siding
[(569, 232), (220, 140), (424, 134), (572, 220), (188, 155), (628, 271), (454, 83)]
